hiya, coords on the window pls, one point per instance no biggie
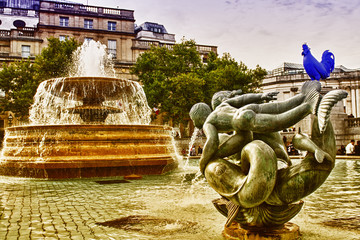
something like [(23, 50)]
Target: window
[(63, 38), (64, 21), (25, 51), (112, 26), (112, 48), (87, 39), (88, 23), (157, 30)]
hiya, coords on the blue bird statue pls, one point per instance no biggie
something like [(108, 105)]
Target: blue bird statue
[(315, 69)]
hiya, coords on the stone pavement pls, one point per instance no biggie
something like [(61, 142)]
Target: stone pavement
[(53, 210), (75, 209), (34, 209)]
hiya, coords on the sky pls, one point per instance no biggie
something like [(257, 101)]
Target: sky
[(257, 32)]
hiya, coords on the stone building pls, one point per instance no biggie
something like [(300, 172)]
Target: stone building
[(153, 34), (26, 25), (112, 27), (18, 36), (345, 116)]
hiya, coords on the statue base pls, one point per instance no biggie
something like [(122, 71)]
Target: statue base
[(290, 231)]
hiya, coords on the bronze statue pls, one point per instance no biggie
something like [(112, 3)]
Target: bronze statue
[(255, 192)]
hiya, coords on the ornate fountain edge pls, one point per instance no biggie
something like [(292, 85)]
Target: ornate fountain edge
[(87, 165)]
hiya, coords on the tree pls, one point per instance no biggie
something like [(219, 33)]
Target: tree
[(174, 78), (55, 60), (19, 80), (185, 90), (169, 73), (226, 74), (19, 83)]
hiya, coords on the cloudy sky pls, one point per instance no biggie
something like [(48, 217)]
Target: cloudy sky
[(263, 32)]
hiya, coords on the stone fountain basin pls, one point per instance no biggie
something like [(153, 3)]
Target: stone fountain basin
[(80, 88), (81, 151)]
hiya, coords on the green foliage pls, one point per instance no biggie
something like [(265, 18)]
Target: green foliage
[(19, 83), (19, 80), (175, 78), (185, 89), (226, 74), (169, 77), (54, 60)]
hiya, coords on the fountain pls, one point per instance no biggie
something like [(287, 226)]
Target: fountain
[(88, 126)]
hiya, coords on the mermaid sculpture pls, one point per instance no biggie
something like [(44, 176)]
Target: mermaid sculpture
[(243, 147)]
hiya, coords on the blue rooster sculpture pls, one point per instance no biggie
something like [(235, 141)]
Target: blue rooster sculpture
[(315, 69)]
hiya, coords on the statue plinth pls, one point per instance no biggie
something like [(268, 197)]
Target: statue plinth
[(290, 231)]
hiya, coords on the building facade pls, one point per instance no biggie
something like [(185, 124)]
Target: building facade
[(18, 36), (26, 25), (112, 27), (345, 116)]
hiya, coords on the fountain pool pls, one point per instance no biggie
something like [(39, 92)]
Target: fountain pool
[(171, 206)]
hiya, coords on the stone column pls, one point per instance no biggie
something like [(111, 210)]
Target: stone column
[(357, 97), (353, 102)]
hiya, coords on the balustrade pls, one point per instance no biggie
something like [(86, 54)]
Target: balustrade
[(4, 33), (353, 122), (94, 9), (144, 44), (14, 33)]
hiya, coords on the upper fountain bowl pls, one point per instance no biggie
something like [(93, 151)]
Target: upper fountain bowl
[(90, 100), (84, 88)]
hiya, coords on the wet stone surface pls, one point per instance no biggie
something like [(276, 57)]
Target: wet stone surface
[(108, 208), (174, 206), (150, 225), (352, 223)]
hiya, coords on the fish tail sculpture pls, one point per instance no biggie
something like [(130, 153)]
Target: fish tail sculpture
[(300, 180), (326, 104)]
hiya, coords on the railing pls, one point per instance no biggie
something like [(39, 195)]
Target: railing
[(144, 44), (147, 45), (92, 9), (89, 9), (112, 11), (4, 33), (19, 12), (26, 32), (206, 49), (23, 32), (353, 122), (64, 5), (298, 75)]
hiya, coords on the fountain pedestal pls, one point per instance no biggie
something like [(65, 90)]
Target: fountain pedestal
[(83, 151), (290, 231)]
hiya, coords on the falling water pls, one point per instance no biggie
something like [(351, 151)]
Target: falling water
[(91, 59), (56, 100), (191, 143), (55, 105)]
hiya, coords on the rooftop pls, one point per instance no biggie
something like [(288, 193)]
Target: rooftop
[(152, 27), (287, 68)]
